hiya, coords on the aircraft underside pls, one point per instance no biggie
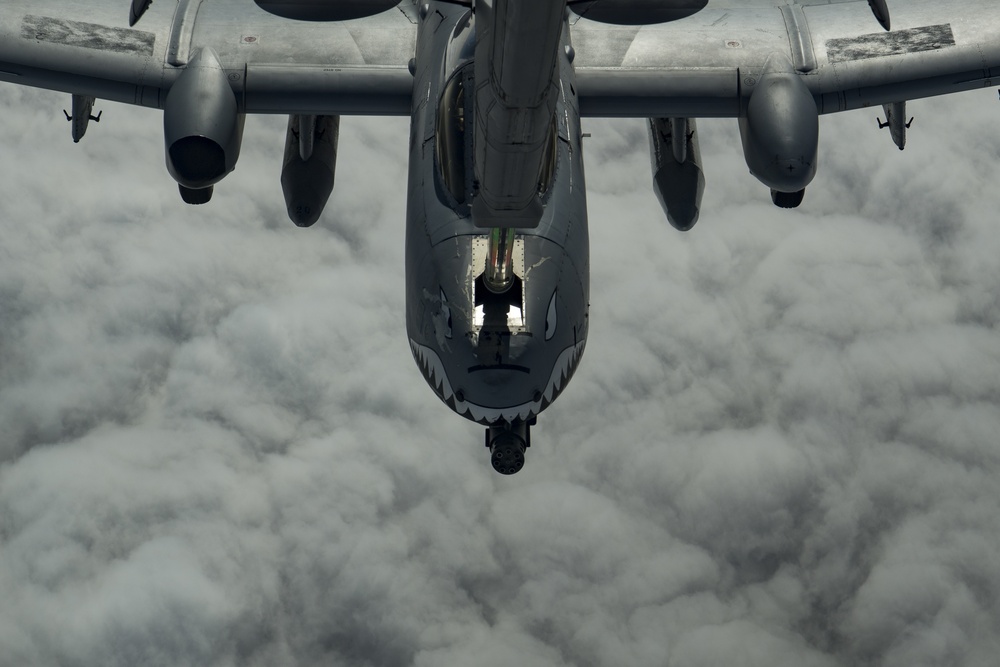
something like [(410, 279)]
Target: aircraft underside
[(497, 246), (497, 257)]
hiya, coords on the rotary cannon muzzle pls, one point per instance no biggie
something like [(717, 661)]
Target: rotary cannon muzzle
[(507, 444)]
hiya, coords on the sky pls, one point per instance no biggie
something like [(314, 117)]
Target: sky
[(781, 447)]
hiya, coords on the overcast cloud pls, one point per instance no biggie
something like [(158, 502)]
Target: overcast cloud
[(781, 447)]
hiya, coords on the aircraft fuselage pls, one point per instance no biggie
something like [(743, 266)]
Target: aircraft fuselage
[(496, 358)]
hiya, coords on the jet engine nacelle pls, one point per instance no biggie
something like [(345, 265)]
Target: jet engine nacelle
[(202, 126), (309, 166), (780, 130), (678, 180)]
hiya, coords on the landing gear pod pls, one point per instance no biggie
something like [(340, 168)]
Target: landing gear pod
[(780, 129), (202, 126), (507, 443), (678, 180), (308, 168)]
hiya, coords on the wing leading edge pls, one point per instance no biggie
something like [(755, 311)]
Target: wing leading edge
[(705, 65)]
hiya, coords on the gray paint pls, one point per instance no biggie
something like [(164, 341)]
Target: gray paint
[(516, 89), (83, 108), (309, 166), (311, 10), (136, 10), (799, 38), (896, 122), (202, 125), (678, 178), (695, 67), (217, 451), (711, 64), (780, 131), (492, 376), (625, 12)]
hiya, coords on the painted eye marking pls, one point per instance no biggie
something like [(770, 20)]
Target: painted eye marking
[(550, 319), (446, 314)]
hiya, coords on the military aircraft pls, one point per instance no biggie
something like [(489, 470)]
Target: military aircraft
[(497, 264)]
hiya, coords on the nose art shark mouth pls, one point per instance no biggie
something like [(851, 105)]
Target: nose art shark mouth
[(433, 370)]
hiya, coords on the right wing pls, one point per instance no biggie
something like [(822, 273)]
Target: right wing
[(707, 65), (273, 64)]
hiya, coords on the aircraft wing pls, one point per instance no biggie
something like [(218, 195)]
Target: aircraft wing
[(707, 65), (274, 65)]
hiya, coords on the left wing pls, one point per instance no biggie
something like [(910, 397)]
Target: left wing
[(273, 65)]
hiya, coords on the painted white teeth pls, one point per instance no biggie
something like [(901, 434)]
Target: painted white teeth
[(433, 368)]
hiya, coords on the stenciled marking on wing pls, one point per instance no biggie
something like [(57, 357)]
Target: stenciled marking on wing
[(87, 35), (882, 44)]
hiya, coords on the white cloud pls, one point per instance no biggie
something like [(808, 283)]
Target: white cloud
[(780, 447)]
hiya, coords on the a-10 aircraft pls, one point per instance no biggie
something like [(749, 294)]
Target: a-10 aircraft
[(497, 265)]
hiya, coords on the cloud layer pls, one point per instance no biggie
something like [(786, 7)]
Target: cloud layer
[(781, 447)]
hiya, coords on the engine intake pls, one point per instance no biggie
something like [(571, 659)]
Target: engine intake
[(202, 126), (780, 129)]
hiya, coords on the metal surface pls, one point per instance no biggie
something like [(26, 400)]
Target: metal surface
[(799, 38), (780, 130), (700, 66), (500, 260), (136, 10), (83, 106), (495, 359), (320, 10), (498, 339), (895, 120), (516, 87), (202, 125), (309, 166), (678, 179), (637, 12)]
